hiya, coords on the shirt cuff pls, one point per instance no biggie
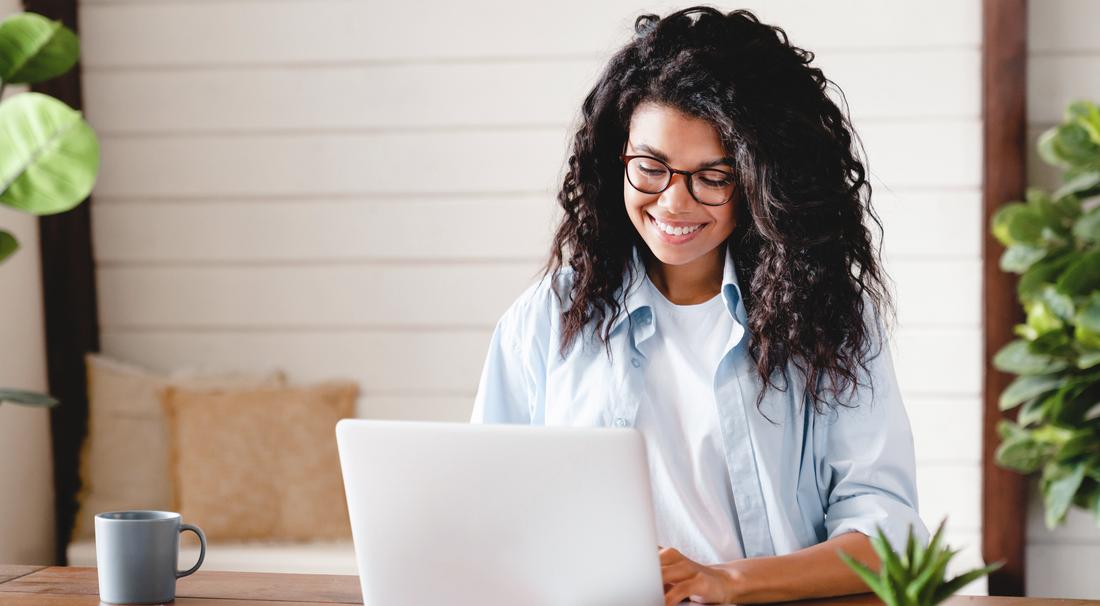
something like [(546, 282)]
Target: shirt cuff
[(866, 513)]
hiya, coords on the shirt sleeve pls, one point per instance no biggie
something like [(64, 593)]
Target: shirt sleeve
[(512, 385), (869, 460)]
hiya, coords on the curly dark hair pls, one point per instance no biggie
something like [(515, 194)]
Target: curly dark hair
[(800, 243)]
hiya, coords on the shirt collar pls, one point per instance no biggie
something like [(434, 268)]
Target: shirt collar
[(638, 305)]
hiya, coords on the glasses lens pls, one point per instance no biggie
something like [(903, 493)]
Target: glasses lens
[(647, 175), (712, 186)]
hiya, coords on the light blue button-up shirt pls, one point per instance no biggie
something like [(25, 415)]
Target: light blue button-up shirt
[(798, 477)]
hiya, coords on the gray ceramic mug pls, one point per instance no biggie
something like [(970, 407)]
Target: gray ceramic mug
[(137, 553)]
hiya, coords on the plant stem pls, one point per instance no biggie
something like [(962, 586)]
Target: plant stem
[(2, 85)]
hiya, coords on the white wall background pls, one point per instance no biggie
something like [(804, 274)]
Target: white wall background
[(1063, 66), (305, 184), (26, 470)]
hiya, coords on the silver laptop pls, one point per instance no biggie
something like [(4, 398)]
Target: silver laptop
[(455, 514)]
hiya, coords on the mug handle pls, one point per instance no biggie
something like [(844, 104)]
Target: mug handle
[(202, 549)]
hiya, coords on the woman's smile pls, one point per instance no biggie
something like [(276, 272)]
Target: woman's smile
[(675, 232)]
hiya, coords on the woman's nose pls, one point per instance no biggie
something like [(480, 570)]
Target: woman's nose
[(677, 198)]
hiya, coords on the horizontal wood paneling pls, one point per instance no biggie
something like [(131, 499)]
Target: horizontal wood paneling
[(930, 293), (442, 162), (412, 228), (946, 430), (517, 226), (164, 33), (925, 84)]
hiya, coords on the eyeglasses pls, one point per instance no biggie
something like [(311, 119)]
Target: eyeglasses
[(709, 186)]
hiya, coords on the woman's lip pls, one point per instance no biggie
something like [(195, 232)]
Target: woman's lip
[(676, 223), (671, 239)]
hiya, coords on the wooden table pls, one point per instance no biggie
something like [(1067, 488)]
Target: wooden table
[(78, 586)]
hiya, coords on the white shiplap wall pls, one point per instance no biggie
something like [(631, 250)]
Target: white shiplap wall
[(303, 184), (1063, 66), (26, 514)]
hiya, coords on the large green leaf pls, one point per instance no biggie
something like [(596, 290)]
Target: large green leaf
[(1027, 387), (1019, 257), (1087, 329), (34, 48), (1033, 281), (1060, 483), (1087, 226), (50, 155), (1020, 452), (8, 244), (26, 398), (1083, 184), (1017, 358), (1019, 224), (1082, 276)]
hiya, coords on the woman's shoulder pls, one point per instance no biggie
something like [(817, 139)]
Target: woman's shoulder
[(539, 307)]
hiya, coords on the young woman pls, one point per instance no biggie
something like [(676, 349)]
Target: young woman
[(712, 283)]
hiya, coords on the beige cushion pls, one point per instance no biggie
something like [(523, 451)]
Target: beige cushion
[(124, 458), (261, 463)]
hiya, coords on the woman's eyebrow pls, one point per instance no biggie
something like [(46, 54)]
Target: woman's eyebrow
[(656, 153)]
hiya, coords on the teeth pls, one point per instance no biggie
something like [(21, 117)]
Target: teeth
[(676, 231)]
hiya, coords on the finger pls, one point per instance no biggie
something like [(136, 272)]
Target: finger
[(678, 571), (680, 592), (669, 555)]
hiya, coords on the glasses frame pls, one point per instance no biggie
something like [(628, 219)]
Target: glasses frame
[(689, 177)]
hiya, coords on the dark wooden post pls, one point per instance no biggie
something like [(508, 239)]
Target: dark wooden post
[(1004, 126), (71, 315)]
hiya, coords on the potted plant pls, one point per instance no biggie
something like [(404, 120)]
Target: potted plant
[(916, 577), (49, 155), (1053, 242)]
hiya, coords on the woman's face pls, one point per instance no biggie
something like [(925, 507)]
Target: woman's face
[(685, 143)]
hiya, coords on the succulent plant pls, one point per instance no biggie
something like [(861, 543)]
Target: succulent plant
[(917, 576)]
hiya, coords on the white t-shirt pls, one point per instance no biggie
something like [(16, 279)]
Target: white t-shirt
[(692, 497)]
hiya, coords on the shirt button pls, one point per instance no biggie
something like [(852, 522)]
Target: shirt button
[(635, 362), (620, 422)]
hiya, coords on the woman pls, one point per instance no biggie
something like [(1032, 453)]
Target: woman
[(712, 283)]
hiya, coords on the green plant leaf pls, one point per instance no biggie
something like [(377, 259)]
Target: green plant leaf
[(1082, 276), (931, 578), (891, 565), (35, 48), (1087, 329), (1019, 257), (1087, 226), (1088, 358), (1060, 483), (1041, 274), (1022, 453), (950, 587), (1017, 358), (1002, 220), (26, 398), (1083, 442), (868, 576), (1084, 185), (1034, 410), (51, 155), (1042, 319), (1027, 387), (1086, 115), (8, 244)]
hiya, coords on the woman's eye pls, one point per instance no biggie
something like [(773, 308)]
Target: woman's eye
[(715, 180), (653, 171)]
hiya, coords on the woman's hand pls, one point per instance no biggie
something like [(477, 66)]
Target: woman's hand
[(686, 579)]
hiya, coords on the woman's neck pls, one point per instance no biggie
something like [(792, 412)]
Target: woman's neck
[(691, 283)]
